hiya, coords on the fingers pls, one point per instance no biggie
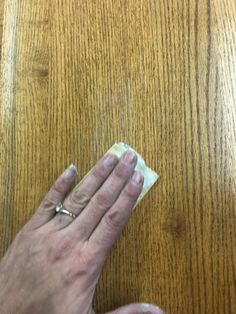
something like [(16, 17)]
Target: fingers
[(105, 197), (81, 195), (138, 308), (56, 194), (116, 218)]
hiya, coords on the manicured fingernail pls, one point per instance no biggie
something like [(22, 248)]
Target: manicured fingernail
[(129, 156), (70, 173), (137, 177), (151, 308), (110, 161)]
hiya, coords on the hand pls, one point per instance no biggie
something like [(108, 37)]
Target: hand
[(54, 263)]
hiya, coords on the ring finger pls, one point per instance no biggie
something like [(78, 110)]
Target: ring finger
[(77, 200)]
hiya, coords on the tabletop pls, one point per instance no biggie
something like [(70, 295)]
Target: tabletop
[(78, 76)]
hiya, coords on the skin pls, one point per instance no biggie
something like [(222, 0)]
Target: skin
[(54, 263)]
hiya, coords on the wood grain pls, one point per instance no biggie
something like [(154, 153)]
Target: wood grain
[(160, 75), (1, 24)]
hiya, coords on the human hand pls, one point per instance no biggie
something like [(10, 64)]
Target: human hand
[(54, 263)]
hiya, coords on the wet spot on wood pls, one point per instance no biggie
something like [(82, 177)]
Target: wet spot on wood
[(175, 226)]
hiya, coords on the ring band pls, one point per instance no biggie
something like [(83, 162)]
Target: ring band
[(61, 210)]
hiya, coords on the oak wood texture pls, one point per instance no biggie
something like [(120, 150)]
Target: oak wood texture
[(1, 24), (77, 76)]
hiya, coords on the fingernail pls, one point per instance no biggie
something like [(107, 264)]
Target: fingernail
[(137, 177), (151, 308), (110, 160), (129, 157), (70, 173)]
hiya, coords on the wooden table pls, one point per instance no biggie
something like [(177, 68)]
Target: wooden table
[(159, 75)]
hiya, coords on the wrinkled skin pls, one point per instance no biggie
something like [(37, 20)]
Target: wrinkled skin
[(54, 263)]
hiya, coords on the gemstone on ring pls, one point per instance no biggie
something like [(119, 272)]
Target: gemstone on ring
[(59, 207), (62, 210)]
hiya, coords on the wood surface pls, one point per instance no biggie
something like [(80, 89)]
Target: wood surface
[(78, 75), (1, 24)]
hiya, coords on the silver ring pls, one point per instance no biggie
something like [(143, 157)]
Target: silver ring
[(60, 209)]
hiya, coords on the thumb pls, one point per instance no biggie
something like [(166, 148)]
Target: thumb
[(138, 308)]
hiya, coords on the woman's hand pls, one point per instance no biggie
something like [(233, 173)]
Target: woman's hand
[(54, 263)]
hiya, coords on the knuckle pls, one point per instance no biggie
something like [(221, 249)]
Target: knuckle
[(69, 275), (113, 220), (79, 198), (121, 171), (99, 172), (46, 206), (62, 248), (73, 273), (85, 259), (130, 193), (102, 200), (81, 264), (81, 231), (59, 186)]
